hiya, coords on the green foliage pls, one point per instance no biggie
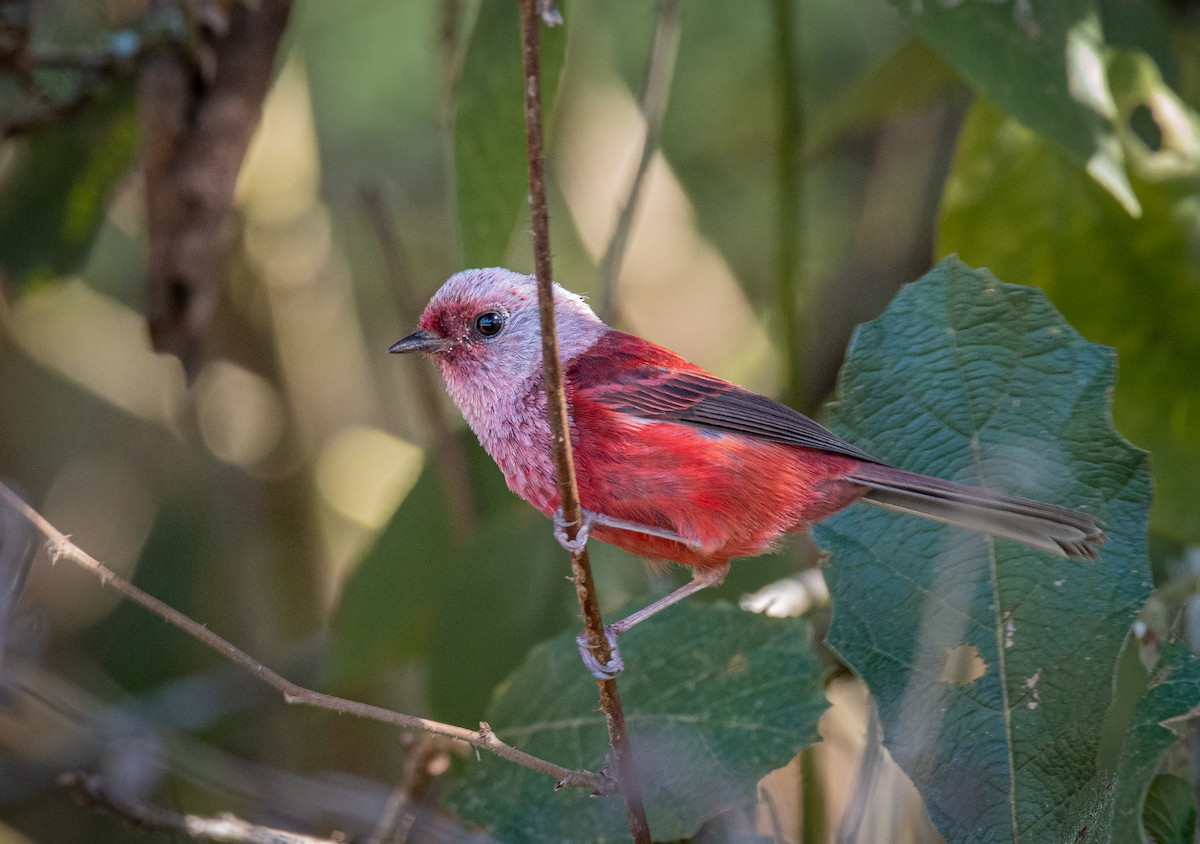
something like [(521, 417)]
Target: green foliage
[(1015, 204), (54, 197), (715, 699), (489, 129), (1174, 690), (1141, 25), (1044, 65), (991, 663), (721, 129), (1170, 813), (140, 652)]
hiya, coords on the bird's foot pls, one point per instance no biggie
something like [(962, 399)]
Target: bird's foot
[(601, 670), (573, 546)]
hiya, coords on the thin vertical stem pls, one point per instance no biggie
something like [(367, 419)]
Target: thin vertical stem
[(556, 410), (790, 252), (656, 90)]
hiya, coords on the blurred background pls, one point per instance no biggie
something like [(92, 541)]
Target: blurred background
[(318, 502)]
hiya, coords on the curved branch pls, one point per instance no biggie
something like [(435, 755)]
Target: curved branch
[(60, 548)]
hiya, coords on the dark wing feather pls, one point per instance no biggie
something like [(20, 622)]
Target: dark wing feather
[(652, 383)]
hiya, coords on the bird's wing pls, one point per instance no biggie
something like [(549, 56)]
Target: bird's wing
[(629, 375)]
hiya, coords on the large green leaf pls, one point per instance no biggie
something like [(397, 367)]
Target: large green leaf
[(57, 190), (1015, 204), (489, 129), (1043, 63), (715, 699), (991, 663)]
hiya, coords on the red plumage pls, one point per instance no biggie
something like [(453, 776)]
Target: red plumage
[(731, 495)]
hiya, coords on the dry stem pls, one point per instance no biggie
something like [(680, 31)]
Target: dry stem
[(656, 90)]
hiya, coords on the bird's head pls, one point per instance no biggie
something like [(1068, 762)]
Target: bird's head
[(482, 325)]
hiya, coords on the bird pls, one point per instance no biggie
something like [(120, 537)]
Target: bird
[(674, 463)]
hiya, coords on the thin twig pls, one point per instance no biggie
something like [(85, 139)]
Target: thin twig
[(452, 461), (812, 799), (59, 548), (223, 827), (556, 411), (656, 90)]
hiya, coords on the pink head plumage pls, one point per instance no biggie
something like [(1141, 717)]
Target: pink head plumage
[(483, 331), (508, 304)]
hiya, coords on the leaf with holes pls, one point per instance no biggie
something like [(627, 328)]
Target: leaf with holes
[(1043, 63), (991, 663), (715, 699)]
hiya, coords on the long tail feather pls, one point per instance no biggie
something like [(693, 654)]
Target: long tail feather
[(1067, 533)]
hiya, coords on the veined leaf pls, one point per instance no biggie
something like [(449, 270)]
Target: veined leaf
[(715, 698), (991, 663)]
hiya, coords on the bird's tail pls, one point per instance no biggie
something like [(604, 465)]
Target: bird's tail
[(1067, 533)]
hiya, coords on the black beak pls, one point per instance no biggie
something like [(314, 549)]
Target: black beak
[(419, 341)]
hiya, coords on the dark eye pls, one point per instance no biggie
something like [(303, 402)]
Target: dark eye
[(489, 323)]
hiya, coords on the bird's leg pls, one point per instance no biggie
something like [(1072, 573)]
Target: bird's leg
[(572, 546), (701, 579), (591, 519)]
